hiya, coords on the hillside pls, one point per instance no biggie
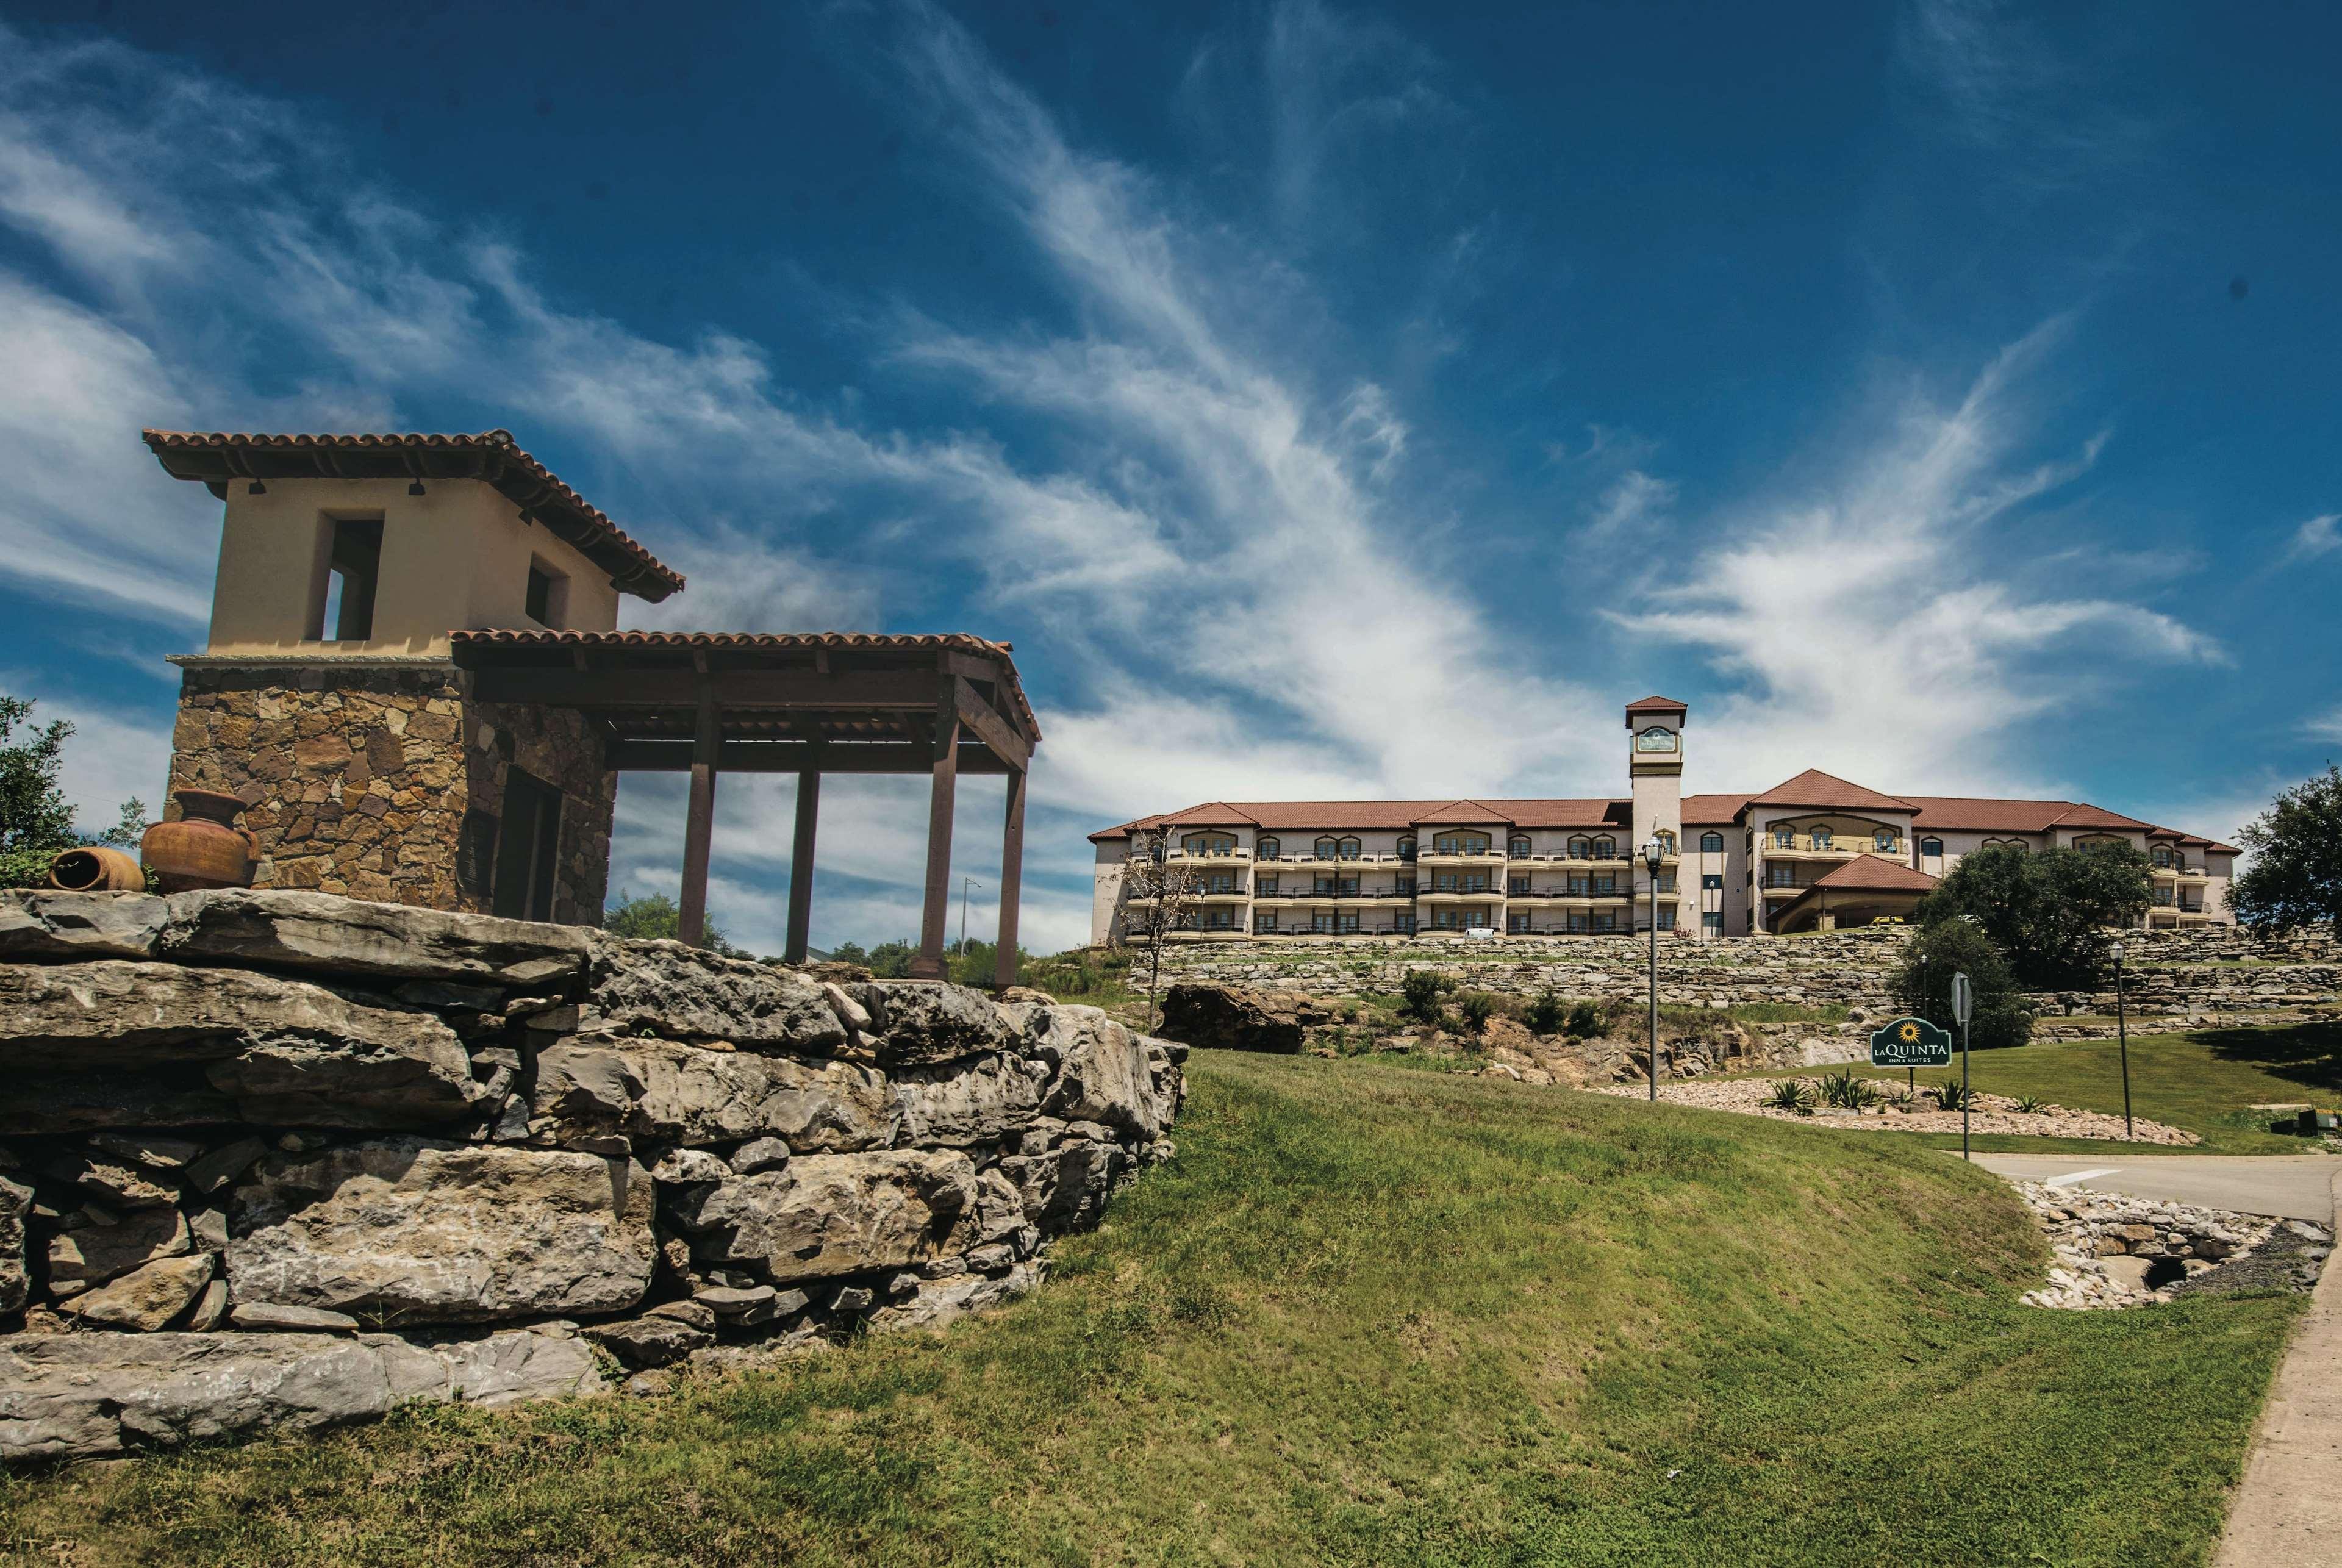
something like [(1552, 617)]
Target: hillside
[(1368, 1315)]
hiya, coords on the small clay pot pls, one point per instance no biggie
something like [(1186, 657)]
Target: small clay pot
[(96, 868), (203, 848)]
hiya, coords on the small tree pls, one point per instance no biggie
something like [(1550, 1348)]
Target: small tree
[(2051, 912), (656, 916), (36, 821), (1419, 994), (1157, 895), (2295, 882), (1922, 986)]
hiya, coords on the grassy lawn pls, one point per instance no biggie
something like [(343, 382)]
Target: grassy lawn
[(2205, 1081), (1365, 1316)]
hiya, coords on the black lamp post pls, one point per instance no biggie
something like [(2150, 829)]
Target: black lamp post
[(1652, 853), (2122, 1037)]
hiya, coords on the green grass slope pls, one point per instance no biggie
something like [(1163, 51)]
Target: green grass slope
[(1367, 1316)]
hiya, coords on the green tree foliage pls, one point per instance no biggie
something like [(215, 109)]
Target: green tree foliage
[(1922, 986), (850, 953), (2295, 881), (892, 960), (35, 819), (1419, 995), (656, 917), (2048, 910)]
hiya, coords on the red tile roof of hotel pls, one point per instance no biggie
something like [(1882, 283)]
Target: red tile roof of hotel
[(1874, 873), (1710, 809), (220, 457), (1657, 705), (1814, 788)]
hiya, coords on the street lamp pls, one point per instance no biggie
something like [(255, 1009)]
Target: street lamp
[(1652, 853), (964, 883), (2122, 1035)]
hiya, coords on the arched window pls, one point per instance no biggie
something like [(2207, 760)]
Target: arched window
[(1581, 849), (2005, 844), (1461, 844), (1407, 848), (1821, 838), (1711, 844), (1209, 844), (1348, 849), (1328, 847), (1884, 840), (1605, 849), (1784, 838), (1268, 849), (1934, 846), (1667, 842), (1519, 846)]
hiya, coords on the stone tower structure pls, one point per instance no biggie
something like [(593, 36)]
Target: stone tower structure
[(325, 698), (1655, 743)]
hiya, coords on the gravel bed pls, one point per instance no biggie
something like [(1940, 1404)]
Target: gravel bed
[(1993, 1113), (2115, 1251)]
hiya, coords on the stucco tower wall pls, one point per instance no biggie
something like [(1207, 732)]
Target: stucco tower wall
[(387, 780), (1657, 790)]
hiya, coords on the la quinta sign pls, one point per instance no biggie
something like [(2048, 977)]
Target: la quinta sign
[(1910, 1043)]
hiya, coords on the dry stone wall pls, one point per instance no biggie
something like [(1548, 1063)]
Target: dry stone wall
[(2204, 976), (276, 1158)]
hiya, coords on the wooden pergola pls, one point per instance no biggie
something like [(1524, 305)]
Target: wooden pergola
[(713, 702)]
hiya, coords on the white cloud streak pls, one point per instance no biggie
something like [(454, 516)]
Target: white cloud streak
[(2320, 536)]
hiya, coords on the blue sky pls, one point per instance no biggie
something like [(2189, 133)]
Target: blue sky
[(1325, 400)]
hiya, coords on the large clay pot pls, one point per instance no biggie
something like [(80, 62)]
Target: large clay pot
[(203, 848), (96, 868)]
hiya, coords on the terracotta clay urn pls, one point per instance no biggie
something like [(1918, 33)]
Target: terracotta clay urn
[(203, 848), (96, 868)]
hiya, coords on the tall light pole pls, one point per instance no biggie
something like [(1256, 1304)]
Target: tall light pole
[(2122, 1037), (964, 883), (1652, 851)]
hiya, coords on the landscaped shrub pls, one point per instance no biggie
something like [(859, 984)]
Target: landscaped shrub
[(1790, 1095), (1950, 1095), (1419, 995), (1585, 1021), (1923, 985), (1474, 1007), (2031, 1105), (1546, 1014), (1846, 1092)]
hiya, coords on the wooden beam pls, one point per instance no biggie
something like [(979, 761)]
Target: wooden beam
[(929, 964), (801, 867), (995, 731), (735, 690), (699, 825), (1011, 880), (751, 757)]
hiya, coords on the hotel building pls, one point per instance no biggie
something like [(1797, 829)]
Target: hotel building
[(1812, 853)]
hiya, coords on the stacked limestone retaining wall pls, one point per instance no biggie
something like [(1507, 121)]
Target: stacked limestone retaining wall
[(2205, 975), (289, 1159)]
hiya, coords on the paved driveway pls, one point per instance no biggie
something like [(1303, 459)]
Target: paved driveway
[(2295, 1187)]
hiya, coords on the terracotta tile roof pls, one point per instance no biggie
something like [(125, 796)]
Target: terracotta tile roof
[(1875, 874), (1610, 813), (1977, 813), (770, 642), (1382, 815), (219, 457), (1470, 812), (1814, 788), (1710, 809), (2083, 816), (1656, 705)]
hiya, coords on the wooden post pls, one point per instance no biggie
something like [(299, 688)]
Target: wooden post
[(801, 866), (929, 963), (699, 821), (1012, 879)]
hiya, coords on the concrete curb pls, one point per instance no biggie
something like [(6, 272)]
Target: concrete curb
[(2286, 1512)]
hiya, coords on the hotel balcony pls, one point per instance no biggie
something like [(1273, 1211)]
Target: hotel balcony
[(1900, 850), (1207, 856), (1330, 895), (1490, 856), (1620, 862), (1313, 859), (1460, 896)]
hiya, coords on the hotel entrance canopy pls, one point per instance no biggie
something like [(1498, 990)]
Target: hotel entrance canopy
[(712, 702)]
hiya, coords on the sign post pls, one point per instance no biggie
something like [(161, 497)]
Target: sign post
[(1963, 1004)]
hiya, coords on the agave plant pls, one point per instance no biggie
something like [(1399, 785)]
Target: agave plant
[(1790, 1095), (1846, 1092), (2031, 1105), (1951, 1096)]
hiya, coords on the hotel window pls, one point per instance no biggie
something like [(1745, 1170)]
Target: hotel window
[(1780, 876), (1264, 922), (1784, 838), (1605, 849), (1885, 841), (1349, 921), (1267, 887), (1212, 843), (1327, 848), (1579, 922), (1667, 842), (1403, 885), (1821, 838), (1519, 849), (1322, 921), (1322, 887), (1666, 918), (1667, 882), (1517, 923), (1220, 882), (1220, 920), (1517, 886), (548, 600), (1711, 844), (1713, 921), (1268, 849), (1604, 884), (1461, 844), (1405, 923), (1476, 920), (1934, 846), (1712, 882), (341, 607), (1581, 849), (2162, 858), (1348, 849), (1606, 921), (1406, 849)]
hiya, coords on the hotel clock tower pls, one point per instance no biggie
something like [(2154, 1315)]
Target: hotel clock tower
[(1654, 727)]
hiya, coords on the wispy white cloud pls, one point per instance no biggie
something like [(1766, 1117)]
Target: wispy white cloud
[(1985, 75), (2324, 726), (2321, 535), (1633, 504)]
